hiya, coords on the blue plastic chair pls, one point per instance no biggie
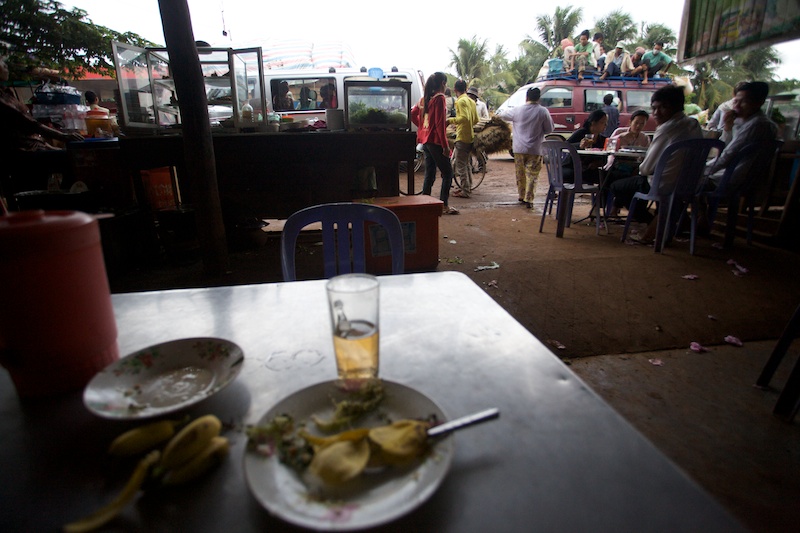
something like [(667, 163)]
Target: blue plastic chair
[(554, 153), (674, 197), (753, 160), (343, 243)]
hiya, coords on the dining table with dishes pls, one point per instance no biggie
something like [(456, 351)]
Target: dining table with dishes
[(558, 457)]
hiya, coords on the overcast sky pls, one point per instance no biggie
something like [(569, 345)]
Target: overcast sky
[(417, 34)]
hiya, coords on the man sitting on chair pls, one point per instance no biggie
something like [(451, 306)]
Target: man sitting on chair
[(673, 125), (743, 124)]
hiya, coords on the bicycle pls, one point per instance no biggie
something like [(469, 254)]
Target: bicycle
[(476, 166)]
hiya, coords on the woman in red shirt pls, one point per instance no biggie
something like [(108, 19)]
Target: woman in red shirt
[(430, 117)]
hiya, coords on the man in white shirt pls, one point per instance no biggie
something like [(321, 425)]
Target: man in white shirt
[(531, 123), (715, 124), (743, 124), (673, 125), (483, 111)]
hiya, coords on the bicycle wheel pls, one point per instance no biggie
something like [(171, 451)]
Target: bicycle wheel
[(476, 167)]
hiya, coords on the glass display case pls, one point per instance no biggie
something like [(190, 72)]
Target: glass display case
[(377, 105), (233, 83)]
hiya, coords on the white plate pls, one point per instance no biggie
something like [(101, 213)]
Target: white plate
[(373, 499), (163, 378)]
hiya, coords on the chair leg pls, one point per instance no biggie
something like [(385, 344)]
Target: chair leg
[(791, 331), (789, 399), (548, 200), (730, 224), (628, 219), (693, 228), (751, 214)]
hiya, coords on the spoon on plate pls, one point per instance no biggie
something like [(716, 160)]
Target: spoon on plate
[(464, 421)]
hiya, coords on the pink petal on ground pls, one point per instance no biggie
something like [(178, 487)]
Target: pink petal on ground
[(730, 339), (557, 344), (712, 317), (697, 347), (656, 362), (731, 262), (742, 269), (691, 276)]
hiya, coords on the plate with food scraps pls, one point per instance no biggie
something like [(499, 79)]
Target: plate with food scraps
[(287, 488), (163, 378)]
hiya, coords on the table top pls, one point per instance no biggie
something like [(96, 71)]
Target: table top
[(558, 459)]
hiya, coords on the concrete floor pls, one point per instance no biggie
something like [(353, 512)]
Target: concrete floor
[(702, 411)]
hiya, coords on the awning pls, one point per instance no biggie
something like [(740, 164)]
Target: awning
[(714, 28)]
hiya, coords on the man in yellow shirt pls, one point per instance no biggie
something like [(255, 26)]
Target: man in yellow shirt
[(466, 117)]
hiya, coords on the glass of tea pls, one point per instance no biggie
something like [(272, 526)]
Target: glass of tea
[(353, 300)]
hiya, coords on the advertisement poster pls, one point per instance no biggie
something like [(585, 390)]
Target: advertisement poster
[(720, 26)]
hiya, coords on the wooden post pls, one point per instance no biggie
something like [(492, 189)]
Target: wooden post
[(198, 145)]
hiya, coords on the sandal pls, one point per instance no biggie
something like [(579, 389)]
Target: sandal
[(460, 194), (447, 210)]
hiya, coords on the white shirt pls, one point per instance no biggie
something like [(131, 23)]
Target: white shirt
[(678, 128)]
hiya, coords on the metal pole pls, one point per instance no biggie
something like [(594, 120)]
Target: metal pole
[(198, 145)]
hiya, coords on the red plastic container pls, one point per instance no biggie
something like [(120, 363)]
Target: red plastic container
[(57, 326)]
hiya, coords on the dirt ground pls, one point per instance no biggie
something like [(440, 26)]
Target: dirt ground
[(623, 318), (585, 294)]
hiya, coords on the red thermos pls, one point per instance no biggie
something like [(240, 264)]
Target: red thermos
[(57, 327)]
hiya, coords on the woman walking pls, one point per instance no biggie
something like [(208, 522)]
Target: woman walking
[(430, 117)]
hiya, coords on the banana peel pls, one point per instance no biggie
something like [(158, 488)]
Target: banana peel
[(142, 439), (341, 457), (105, 514), (209, 457), (190, 441)]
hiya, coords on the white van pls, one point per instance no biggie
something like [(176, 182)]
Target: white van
[(306, 93)]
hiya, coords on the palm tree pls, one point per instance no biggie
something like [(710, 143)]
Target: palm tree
[(616, 27), (760, 63), (561, 25), (657, 33), (470, 60)]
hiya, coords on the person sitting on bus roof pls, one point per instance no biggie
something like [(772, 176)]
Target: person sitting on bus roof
[(618, 62)]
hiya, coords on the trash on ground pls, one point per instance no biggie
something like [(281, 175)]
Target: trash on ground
[(453, 242), (712, 317), (691, 276), (659, 328), (455, 259), (557, 344), (492, 283), (493, 266), (656, 362), (739, 268), (717, 245), (730, 339), (697, 347)]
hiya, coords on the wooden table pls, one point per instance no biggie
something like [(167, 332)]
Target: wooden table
[(558, 459)]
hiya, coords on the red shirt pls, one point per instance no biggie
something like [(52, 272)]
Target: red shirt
[(432, 125)]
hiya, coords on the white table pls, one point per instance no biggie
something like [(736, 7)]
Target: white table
[(558, 459)]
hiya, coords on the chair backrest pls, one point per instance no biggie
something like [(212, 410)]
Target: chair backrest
[(343, 242), (556, 153), (680, 167), (738, 170)]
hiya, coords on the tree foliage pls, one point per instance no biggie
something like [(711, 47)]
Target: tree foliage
[(617, 26), (41, 34), (470, 59), (560, 26)]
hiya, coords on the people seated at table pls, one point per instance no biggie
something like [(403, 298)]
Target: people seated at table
[(584, 59), (587, 137), (626, 137), (618, 63), (673, 125), (743, 124)]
